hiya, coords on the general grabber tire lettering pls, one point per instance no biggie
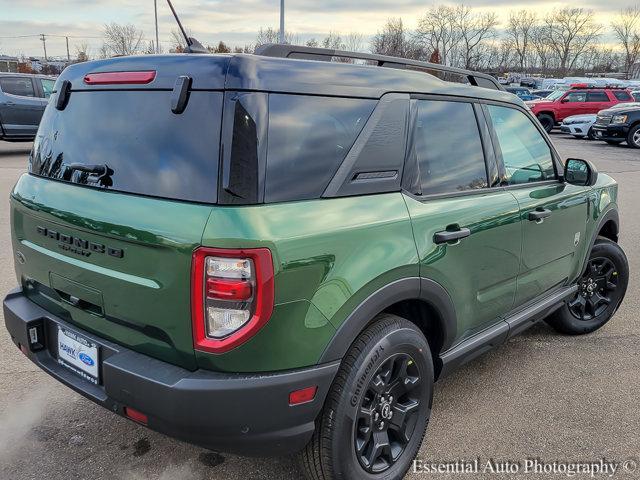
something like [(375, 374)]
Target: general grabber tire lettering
[(600, 291), (378, 407)]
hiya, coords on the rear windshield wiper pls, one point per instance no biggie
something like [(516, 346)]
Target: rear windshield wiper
[(103, 172)]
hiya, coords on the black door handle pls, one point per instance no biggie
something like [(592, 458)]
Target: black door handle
[(447, 236), (539, 214)]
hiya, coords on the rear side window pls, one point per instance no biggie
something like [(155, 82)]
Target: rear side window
[(622, 95), (308, 139), (597, 97), (525, 153), (448, 147), (20, 86)]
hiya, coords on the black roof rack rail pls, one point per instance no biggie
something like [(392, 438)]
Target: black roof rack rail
[(325, 54)]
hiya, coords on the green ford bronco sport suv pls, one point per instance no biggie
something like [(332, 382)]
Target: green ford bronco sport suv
[(278, 253)]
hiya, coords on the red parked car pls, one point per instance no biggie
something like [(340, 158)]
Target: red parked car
[(579, 100)]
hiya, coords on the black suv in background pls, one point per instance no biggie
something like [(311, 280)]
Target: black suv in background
[(618, 125), (23, 98)]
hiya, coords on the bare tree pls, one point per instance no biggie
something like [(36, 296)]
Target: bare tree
[(474, 29), (571, 31), (542, 45), (272, 35), (354, 42), (82, 52), (312, 42), (333, 41), (626, 28), (520, 29), (122, 40), (394, 40), (437, 31)]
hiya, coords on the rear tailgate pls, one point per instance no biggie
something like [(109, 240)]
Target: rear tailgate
[(118, 196)]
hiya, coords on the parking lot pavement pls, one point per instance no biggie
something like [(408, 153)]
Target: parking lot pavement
[(542, 395)]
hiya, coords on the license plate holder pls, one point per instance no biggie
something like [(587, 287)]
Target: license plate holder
[(79, 354)]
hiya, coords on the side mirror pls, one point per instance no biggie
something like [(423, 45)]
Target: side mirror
[(580, 172)]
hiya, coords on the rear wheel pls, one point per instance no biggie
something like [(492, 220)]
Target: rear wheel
[(600, 291), (633, 138), (378, 408), (547, 121)]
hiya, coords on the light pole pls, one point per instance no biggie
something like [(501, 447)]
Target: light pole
[(281, 21), (155, 7)]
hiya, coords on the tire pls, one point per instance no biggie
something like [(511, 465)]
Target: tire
[(591, 135), (633, 137), (601, 290), (614, 142), (390, 346), (547, 122)]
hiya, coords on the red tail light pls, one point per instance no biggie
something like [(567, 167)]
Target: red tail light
[(120, 78), (231, 296)]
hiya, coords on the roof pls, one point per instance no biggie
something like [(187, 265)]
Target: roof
[(285, 75), (35, 75)]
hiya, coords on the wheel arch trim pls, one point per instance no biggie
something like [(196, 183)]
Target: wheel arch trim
[(412, 288)]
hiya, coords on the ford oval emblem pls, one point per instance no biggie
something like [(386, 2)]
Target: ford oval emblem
[(86, 359)]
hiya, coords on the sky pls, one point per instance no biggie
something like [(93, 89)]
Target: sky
[(235, 22)]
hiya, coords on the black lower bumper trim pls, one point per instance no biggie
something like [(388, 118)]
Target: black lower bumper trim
[(236, 413)]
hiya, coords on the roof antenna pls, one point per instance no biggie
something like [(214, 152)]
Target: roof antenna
[(193, 45)]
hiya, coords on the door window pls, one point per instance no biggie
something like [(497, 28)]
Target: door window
[(525, 153), (20, 86), (575, 97), (448, 147), (597, 97), (47, 86)]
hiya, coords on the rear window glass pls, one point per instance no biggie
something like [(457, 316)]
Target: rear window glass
[(147, 149), (308, 139), (22, 87)]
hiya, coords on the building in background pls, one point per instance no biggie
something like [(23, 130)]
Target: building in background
[(8, 64)]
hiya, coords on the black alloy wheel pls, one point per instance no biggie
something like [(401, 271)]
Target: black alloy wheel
[(386, 418), (596, 289)]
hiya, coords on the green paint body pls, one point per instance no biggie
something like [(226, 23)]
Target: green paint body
[(329, 256)]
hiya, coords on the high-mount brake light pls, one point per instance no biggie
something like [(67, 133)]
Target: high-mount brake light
[(120, 78), (231, 296)]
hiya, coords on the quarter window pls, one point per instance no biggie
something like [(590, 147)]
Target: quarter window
[(448, 147), (525, 153), (309, 138), (19, 86), (624, 96)]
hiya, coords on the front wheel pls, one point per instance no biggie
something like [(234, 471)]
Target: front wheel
[(547, 122), (633, 138), (600, 291), (378, 407)]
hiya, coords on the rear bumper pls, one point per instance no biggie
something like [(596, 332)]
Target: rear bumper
[(244, 414), (612, 132)]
